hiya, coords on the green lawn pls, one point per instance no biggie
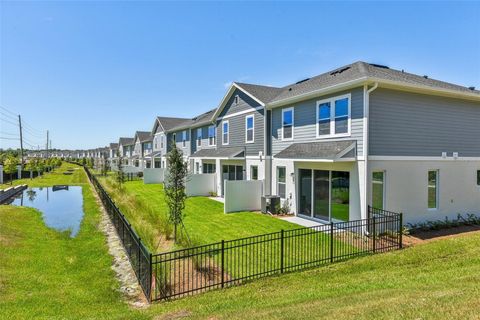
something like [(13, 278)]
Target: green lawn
[(47, 275), (204, 219)]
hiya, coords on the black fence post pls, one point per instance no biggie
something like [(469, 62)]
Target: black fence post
[(282, 249), (150, 277), (331, 242), (400, 230), (223, 263), (374, 235)]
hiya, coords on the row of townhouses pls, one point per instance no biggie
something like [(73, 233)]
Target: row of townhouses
[(332, 145)]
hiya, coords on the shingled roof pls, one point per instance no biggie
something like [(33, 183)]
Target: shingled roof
[(168, 123), (355, 71), (143, 136), (327, 150), (126, 141)]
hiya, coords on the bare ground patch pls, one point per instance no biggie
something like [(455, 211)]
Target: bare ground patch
[(432, 235)]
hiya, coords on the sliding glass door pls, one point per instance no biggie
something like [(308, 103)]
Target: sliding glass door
[(321, 191), (324, 194)]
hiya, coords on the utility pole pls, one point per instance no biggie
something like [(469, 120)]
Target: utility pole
[(21, 138), (47, 144)]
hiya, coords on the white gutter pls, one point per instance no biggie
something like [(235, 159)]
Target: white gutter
[(366, 115)]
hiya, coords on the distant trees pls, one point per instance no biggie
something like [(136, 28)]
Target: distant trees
[(10, 165), (175, 187)]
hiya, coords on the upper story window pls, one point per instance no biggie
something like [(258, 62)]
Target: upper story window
[(287, 124), (249, 124), (161, 141), (199, 137), (174, 138), (211, 135), (225, 132), (333, 116), (184, 138)]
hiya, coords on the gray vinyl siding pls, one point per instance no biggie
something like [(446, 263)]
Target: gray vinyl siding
[(237, 132), (244, 103), (159, 144), (138, 148), (412, 124), (237, 124), (204, 144), (305, 125), (178, 142)]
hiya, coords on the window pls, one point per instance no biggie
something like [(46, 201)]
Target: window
[(324, 118), (249, 129), (209, 168), (199, 137), (253, 172), (161, 142), (333, 116), (478, 177), (281, 182), (432, 189), (174, 138), (378, 190), (211, 135), (287, 124), (197, 167), (184, 138), (225, 132)]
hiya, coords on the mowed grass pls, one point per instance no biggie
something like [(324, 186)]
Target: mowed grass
[(46, 274), (204, 219)]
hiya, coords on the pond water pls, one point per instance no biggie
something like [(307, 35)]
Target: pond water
[(61, 206)]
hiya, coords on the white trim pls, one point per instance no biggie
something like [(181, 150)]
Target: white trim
[(293, 123), (332, 101), (223, 133), (316, 160), (253, 129), (227, 96), (184, 141), (240, 113), (414, 158)]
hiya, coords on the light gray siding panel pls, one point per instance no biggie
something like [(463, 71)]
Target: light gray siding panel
[(204, 144), (178, 142), (411, 124), (237, 132), (244, 103), (305, 114)]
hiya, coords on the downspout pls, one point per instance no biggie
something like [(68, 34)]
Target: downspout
[(366, 116)]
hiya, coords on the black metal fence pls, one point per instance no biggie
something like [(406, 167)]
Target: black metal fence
[(138, 254), (187, 271)]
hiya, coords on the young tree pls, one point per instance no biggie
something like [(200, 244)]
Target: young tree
[(10, 165), (175, 187), (120, 174)]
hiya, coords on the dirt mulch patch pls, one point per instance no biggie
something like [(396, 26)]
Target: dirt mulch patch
[(432, 235)]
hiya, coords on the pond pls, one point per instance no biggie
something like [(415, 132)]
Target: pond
[(61, 206)]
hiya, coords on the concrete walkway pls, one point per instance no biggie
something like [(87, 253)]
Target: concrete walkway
[(219, 199), (302, 222)]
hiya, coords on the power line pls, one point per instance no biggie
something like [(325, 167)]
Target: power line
[(7, 115), (13, 123), (13, 113), (8, 138), (10, 134)]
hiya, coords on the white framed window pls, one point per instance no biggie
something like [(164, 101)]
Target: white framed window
[(281, 182), (225, 132), (161, 141), (432, 189), (184, 138), (197, 167), (249, 125), (334, 116), (211, 135), (378, 189), (199, 137), (174, 138), (253, 172), (287, 123)]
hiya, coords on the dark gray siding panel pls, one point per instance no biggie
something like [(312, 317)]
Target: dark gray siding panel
[(411, 124), (244, 103), (237, 132), (204, 144), (305, 114), (178, 141)]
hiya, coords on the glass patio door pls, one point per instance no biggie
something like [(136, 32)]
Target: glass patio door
[(305, 191), (321, 191)]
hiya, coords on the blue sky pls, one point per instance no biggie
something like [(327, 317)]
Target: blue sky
[(93, 71)]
